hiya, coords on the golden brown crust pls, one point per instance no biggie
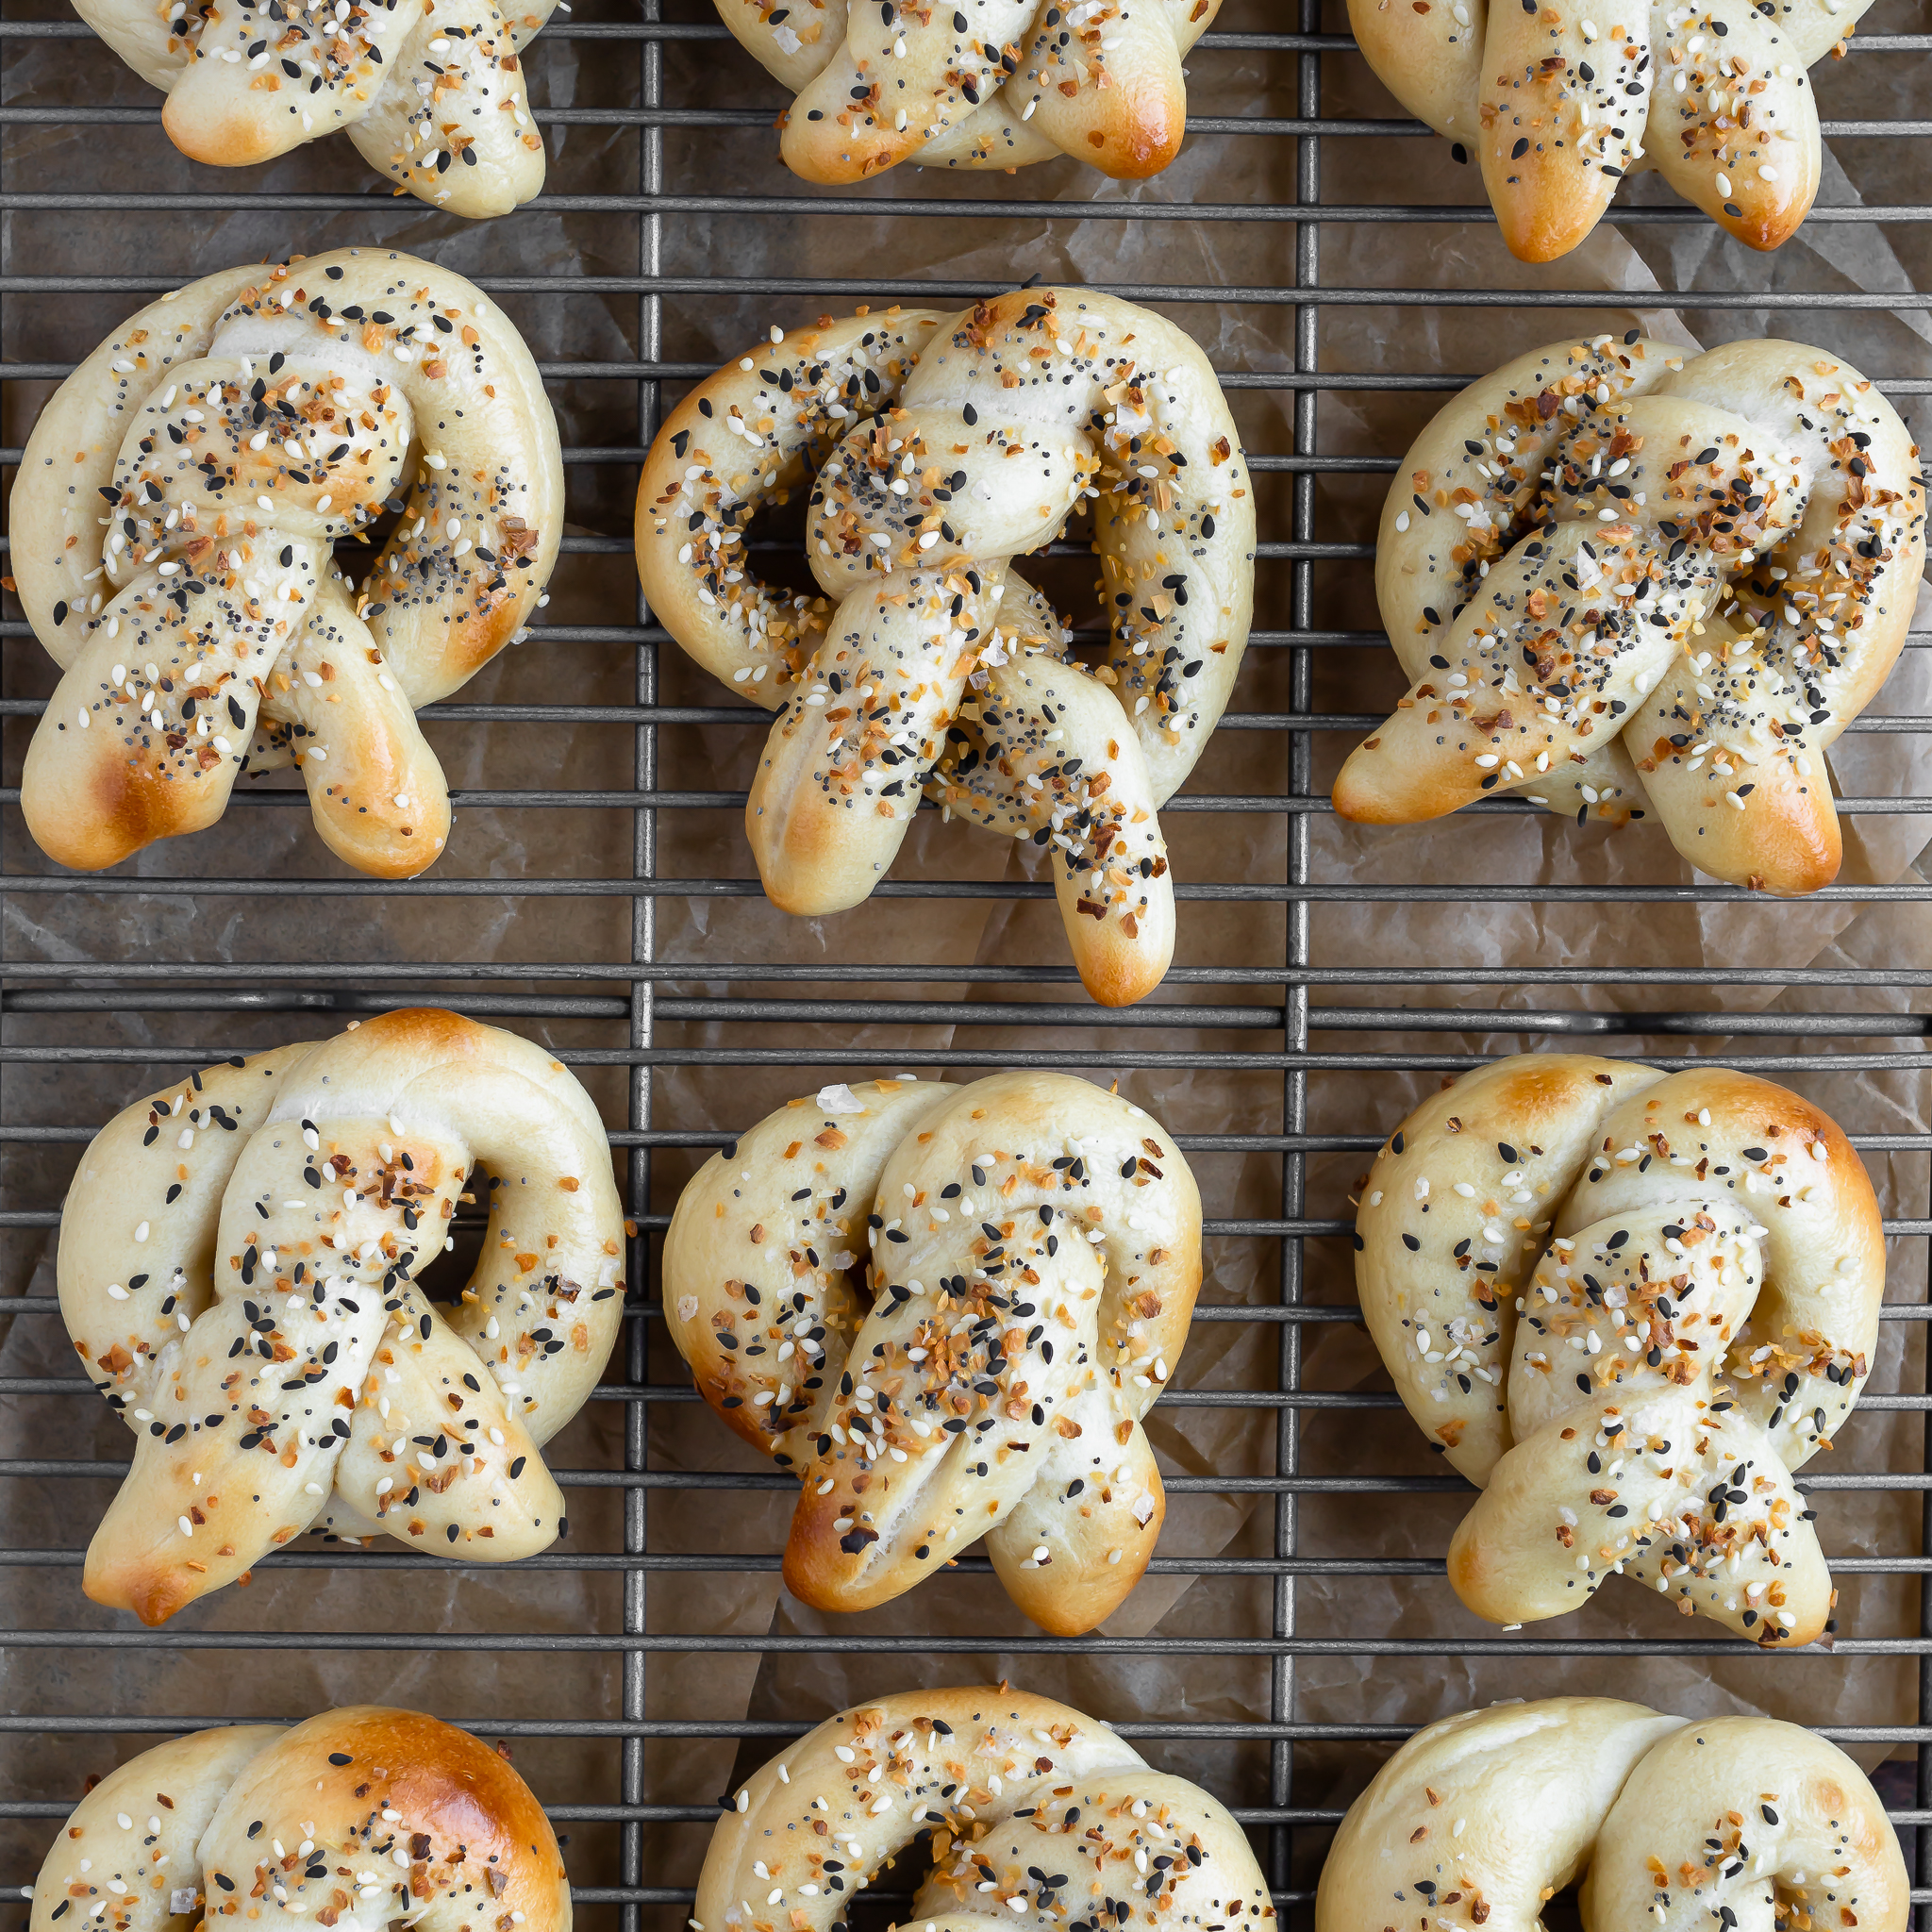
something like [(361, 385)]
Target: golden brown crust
[(363, 1815), (1559, 103), (381, 72)]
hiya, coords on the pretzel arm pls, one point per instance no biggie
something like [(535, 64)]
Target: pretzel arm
[(1756, 175), (376, 790), (795, 49), (438, 1455), (1756, 1568), (165, 1539), (896, 81), (842, 770), (1110, 90), (319, 67), (148, 762), (451, 121), (1073, 1548), (952, 1385), (1050, 756), (132, 1279), (1565, 95)]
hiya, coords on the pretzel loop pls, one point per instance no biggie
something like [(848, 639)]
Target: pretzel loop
[(976, 84), (1628, 1307), (1033, 1257), (236, 1273), (235, 432)]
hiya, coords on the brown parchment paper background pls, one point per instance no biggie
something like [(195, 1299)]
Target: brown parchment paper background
[(1213, 232)]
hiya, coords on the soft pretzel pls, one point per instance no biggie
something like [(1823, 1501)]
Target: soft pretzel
[(978, 1362), (975, 83), (1560, 102), (234, 432), (362, 1816), (236, 1266), (1680, 1822), (431, 92), (1622, 578), (1627, 1306), (1040, 1819), (943, 448)]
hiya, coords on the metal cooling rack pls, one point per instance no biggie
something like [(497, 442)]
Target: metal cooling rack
[(630, 1004)]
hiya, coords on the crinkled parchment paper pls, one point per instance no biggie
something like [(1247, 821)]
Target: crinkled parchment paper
[(976, 246)]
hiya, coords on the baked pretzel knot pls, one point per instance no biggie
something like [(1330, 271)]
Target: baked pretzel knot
[(1625, 577), (947, 1309), (1562, 100), (975, 83), (941, 447), (359, 1817), (987, 1771), (234, 432), (237, 1270), (431, 92), (1677, 1823), (1628, 1307)]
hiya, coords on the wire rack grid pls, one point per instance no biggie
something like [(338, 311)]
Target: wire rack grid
[(100, 1000)]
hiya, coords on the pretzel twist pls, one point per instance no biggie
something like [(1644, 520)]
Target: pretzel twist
[(943, 449), (1628, 1307), (431, 92), (986, 1770), (362, 1816), (975, 83), (235, 431), (1624, 578), (1559, 103), (1682, 1823), (979, 1361), (236, 1268)]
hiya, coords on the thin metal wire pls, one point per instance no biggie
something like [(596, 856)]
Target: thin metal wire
[(636, 999)]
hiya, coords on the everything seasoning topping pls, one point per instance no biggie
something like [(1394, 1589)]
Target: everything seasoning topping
[(320, 1383), (1030, 1807), (928, 1351), (218, 637), (942, 451), (979, 87), (408, 1816), (1672, 1305), (1706, 558), (1691, 1823), (437, 91)]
